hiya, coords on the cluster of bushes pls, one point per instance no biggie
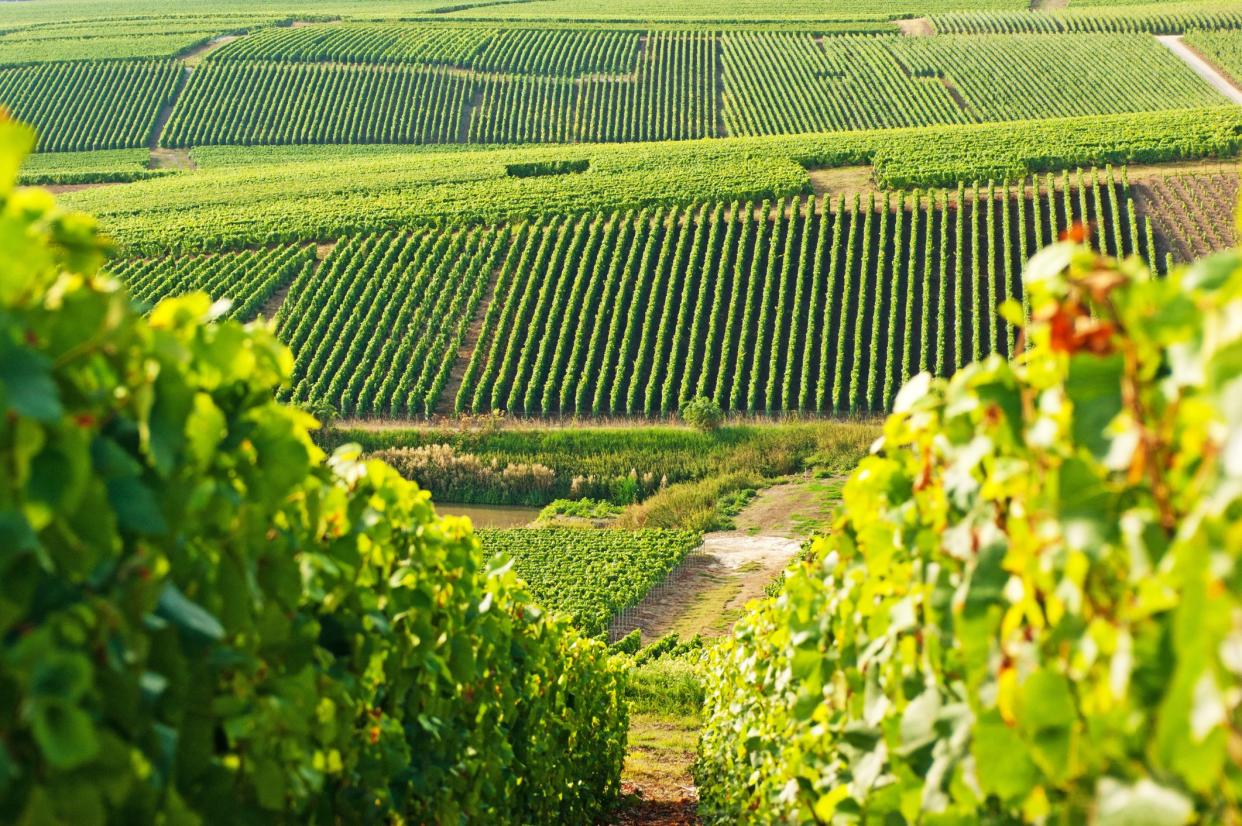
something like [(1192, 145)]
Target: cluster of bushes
[(203, 620), (593, 509), (1028, 609), (461, 477)]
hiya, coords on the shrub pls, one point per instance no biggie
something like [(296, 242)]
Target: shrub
[(1028, 609), (703, 414), (580, 509), (203, 620), (695, 506), (629, 644)]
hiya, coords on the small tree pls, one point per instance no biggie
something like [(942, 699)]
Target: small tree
[(702, 414)]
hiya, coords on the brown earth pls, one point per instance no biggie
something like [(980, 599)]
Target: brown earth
[(711, 589)]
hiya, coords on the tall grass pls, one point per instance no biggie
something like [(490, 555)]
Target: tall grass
[(626, 464)]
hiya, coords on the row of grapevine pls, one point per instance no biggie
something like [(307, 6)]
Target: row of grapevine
[(247, 278), (811, 306), (358, 43), (1153, 19), (260, 103), (376, 329), (550, 52), (89, 105), (590, 575)]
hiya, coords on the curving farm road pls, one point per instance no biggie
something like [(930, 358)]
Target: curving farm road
[(1205, 70)]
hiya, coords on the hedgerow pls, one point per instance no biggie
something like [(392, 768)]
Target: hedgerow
[(1027, 610), (205, 620)]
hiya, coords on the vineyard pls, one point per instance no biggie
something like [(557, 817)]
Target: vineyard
[(798, 305), (1222, 49), (247, 279), (590, 575), (420, 84), (376, 328), (1157, 18), (89, 105), (316, 103), (775, 83), (275, 195), (406, 85), (876, 434), (1191, 214)]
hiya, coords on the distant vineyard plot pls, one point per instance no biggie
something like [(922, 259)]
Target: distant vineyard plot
[(1221, 48), (794, 305), (1157, 18), (248, 196), (247, 279), (423, 83), (591, 575), (89, 105), (1191, 212), (778, 83)]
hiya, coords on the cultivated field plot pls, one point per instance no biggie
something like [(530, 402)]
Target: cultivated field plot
[(776, 83), (517, 86), (800, 305), (402, 84), (1191, 213), (1158, 18), (248, 279), (251, 196), (377, 328), (591, 575), (118, 39), (425, 83), (797, 305), (89, 105), (1222, 49)]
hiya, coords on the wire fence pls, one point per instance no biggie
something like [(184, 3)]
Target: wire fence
[(627, 619)]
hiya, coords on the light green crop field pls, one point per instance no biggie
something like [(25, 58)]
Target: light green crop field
[(247, 196)]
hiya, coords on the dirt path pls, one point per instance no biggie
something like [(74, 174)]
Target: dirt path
[(467, 115), (195, 56), (1201, 67), (711, 589), (465, 350), (705, 596), (161, 118), (656, 781), (272, 306)]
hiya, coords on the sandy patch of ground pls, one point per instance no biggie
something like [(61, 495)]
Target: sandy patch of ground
[(710, 590), (916, 27), (844, 180)]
